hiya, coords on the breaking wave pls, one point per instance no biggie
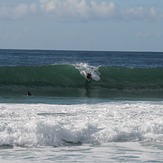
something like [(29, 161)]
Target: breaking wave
[(34, 125), (69, 78)]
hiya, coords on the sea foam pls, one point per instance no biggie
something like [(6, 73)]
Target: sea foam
[(34, 125)]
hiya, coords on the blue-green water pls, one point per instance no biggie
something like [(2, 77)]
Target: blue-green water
[(61, 73), (115, 117)]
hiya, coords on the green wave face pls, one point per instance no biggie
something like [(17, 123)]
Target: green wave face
[(68, 79), (55, 76), (132, 78)]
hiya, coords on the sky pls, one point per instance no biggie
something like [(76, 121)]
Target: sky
[(98, 25)]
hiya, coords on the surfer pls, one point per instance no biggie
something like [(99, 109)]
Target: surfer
[(88, 83), (29, 93), (89, 76)]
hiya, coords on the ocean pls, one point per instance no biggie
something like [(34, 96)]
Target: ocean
[(117, 116)]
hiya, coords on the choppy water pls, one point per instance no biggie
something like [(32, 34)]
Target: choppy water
[(108, 131), (117, 117)]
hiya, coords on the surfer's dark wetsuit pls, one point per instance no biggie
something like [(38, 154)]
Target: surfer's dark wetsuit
[(88, 84), (29, 93), (89, 76)]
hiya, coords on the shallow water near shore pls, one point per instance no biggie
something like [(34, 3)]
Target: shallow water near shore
[(108, 131)]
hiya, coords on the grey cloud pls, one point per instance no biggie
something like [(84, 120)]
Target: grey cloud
[(15, 12), (79, 10), (93, 10)]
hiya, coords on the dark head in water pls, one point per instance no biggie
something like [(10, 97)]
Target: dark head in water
[(89, 76), (29, 93)]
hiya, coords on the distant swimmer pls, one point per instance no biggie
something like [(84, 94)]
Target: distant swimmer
[(29, 93), (89, 76)]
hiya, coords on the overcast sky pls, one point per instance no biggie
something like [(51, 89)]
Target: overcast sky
[(108, 25)]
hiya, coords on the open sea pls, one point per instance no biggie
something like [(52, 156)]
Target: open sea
[(115, 117)]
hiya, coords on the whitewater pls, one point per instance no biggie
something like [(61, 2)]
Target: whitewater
[(116, 117), (106, 132)]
